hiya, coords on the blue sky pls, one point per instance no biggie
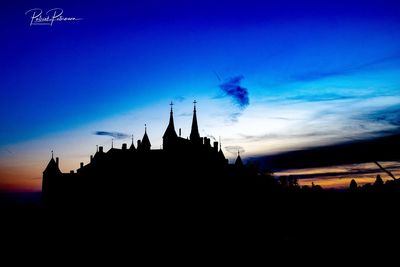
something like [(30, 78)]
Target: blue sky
[(309, 69)]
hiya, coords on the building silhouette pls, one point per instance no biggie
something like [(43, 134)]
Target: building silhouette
[(182, 166)]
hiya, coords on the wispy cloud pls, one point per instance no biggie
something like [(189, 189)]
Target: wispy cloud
[(390, 114), (116, 135), (7, 150), (234, 117), (343, 174), (319, 97), (185, 114), (346, 70), (284, 125), (179, 99), (293, 135), (232, 88), (282, 118)]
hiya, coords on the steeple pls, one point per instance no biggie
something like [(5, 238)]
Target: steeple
[(52, 166), (194, 134), (170, 131), (145, 145), (50, 175), (132, 147), (170, 137), (239, 161)]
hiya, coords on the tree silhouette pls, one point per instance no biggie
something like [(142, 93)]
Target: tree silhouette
[(378, 182), (353, 185)]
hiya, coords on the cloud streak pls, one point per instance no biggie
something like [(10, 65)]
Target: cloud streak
[(116, 135), (390, 115), (185, 114), (320, 97), (234, 117), (232, 88), (322, 74), (343, 174)]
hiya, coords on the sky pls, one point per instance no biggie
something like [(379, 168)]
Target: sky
[(268, 76)]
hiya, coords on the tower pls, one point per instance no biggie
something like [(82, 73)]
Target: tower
[(132, 147), (50, 177), (170, 137), (239, 162), (194, 133), (145, 144)]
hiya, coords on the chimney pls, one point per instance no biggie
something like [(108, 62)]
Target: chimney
[(81, 164), (123, 146), (91, 158), (57, 161), (216, 146), (180, 132), (101, 149)]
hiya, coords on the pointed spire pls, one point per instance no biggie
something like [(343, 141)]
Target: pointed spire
[(239, 161), (132, 147), (112, 142), (170, 132), (52, 166), (145, 145), (194, 134)]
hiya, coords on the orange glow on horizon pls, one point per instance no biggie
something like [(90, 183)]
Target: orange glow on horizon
[(340, 176), (19, 181), (28, 178)]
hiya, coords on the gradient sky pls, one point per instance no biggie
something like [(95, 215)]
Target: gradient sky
[(315, 73)]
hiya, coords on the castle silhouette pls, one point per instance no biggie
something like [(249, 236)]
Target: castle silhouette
[(189, 189), (182, 166)]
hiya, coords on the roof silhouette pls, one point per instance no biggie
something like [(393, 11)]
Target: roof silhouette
[(170, 131), (238, 161), (132, 147), (145, 145)]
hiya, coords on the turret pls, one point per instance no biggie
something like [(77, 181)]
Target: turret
[(132, 147), (194, 133), (50, 176), (52, 166), (221, 155), (170, 137), (239, 162), (145, 144)]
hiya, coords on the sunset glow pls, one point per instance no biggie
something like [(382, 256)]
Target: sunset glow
[(308, 75)]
